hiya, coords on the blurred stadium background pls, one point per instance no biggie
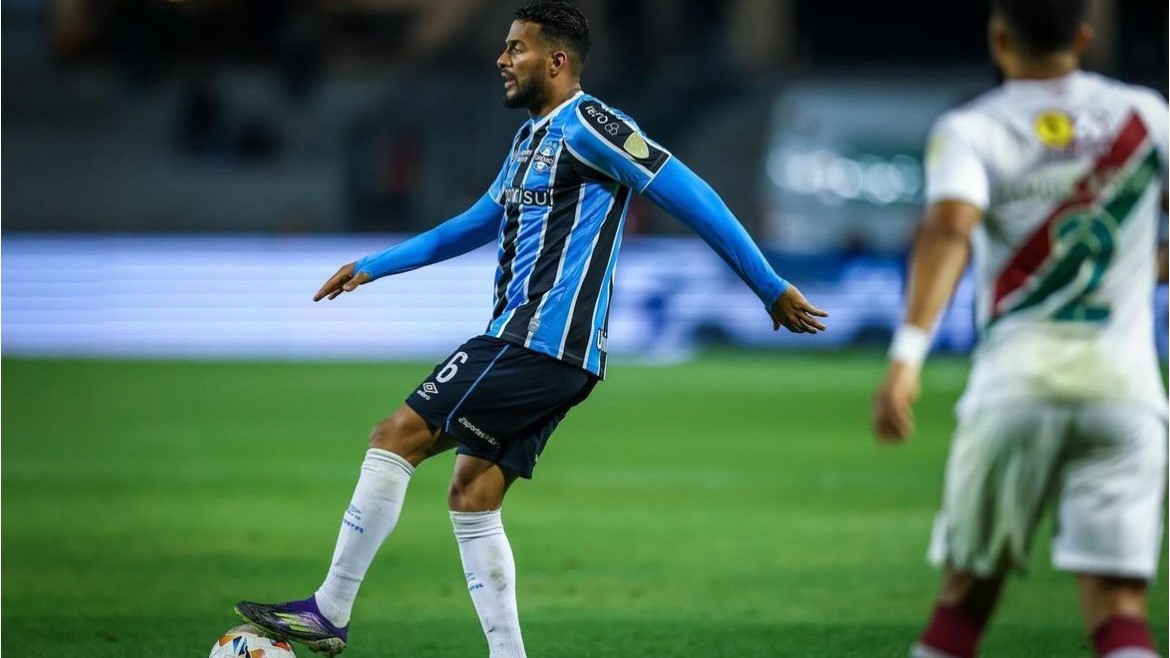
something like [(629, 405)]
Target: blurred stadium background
[(181, 175)]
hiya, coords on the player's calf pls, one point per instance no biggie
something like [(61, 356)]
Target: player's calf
[(964, 607), (1115, 613)]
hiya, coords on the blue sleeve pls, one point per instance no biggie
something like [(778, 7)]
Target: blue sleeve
[(474, 228), (680, 192), (611, 143)]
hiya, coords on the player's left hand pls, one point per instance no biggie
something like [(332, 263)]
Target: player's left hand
[(893, 406), (793, 312), (343, 281)]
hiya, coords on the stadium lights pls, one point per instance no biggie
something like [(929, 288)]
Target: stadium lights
[(835, 178)]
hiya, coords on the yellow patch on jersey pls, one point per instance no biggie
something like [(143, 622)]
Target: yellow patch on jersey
[(1055, 129), (636, 146), (934, 149)]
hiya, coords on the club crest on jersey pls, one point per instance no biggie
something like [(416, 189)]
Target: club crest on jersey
[(544, 158), (1083, 134), (1055, 129)]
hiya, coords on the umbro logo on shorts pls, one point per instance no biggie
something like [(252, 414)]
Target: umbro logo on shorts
[(428, 389)]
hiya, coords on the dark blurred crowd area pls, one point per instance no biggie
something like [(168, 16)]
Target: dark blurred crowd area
[(675, 66)]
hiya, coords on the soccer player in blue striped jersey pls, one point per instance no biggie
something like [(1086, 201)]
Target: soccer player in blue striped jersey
[(556, 211)]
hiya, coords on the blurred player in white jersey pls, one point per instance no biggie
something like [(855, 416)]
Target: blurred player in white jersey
[(1055, 182)]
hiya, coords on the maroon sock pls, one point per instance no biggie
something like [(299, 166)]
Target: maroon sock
[(1122, 633), (953, 631)]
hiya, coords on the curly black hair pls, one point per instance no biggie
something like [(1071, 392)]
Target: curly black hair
[(560, 23), (1043, 27)]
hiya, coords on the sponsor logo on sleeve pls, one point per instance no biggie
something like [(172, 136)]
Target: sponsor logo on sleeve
[(599, 115), (621, 133), (604, 119)]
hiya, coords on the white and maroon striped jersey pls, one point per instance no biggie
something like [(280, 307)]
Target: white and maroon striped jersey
[(1070, 174)]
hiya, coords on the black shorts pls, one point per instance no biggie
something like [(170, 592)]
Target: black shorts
[(500, 401)]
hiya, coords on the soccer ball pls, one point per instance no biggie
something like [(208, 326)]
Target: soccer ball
[(243, 642)]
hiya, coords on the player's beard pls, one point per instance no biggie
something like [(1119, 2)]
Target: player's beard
[(528, 93)]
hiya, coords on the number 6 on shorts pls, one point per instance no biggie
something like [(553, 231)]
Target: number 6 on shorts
[(451, 368)]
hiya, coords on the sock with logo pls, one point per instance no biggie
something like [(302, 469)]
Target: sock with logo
[(368, 521), (953, 632), (1124, 637), (491, 579)]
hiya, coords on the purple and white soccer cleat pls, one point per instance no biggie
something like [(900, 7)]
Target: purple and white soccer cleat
[(295, 620)]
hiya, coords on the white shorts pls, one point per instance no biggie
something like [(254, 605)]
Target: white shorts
[(1102, 465)]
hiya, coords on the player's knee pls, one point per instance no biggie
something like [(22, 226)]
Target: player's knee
[(1110, 595), (458, 497), (461, 497), (381, 436), (402, 433), (978, 595)]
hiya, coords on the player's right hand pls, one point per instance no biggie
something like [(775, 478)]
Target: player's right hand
[(343, 281), (793, 312), (893, 406)]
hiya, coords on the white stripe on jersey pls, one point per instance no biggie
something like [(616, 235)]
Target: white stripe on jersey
[(552, 178), (581, 281), (592, 165), (560, 267), (519, 226), (608, 294)]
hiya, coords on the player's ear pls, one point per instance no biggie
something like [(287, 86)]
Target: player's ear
[(999, 39), (558, 63), (1085, 36)]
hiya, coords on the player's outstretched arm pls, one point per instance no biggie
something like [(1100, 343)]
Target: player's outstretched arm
[(474, 228), (682, 193), (957, 192), (939, 257), (611, 143)]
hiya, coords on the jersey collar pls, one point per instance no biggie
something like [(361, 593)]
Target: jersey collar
[(1060, 82), (540, 122)]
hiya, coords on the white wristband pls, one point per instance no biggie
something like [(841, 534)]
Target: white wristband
[(910, 345)]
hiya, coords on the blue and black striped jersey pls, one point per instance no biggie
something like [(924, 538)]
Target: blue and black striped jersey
[(556, 210), (565, 188)]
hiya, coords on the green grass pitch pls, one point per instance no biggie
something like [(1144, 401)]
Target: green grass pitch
[(734, 506)]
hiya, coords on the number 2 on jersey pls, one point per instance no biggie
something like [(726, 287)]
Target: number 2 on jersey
[(1083, 243)]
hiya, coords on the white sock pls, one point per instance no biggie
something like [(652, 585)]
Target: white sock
[(923, 651), (491, 579), (1131, 652), (372, 513)]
